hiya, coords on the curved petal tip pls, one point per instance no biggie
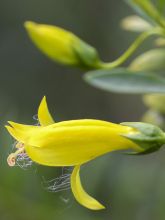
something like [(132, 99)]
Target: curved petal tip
[(44, 115), (80, 195)]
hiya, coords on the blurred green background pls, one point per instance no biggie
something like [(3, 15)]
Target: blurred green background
[(131, 187)]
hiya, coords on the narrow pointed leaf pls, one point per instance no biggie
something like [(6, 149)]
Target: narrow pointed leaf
[(139, 10), (122, 80), (161, 5)]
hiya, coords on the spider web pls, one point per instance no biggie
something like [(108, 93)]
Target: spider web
[(60, 183)]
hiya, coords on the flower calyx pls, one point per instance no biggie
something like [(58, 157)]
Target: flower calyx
[(149, 137)]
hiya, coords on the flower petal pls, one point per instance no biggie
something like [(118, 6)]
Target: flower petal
[(92, 122), (70, 146), (21, 132), (12, 132), (44, 115), (80, 195), (23, 127)]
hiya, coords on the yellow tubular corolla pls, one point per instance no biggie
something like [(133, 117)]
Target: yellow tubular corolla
[(71, 143)]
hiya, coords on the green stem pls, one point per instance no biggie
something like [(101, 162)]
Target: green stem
[(140, 39)]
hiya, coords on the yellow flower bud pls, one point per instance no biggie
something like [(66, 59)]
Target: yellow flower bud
[(154, 117), (152, 60), (155, 101), (62, 46), (135, 23)]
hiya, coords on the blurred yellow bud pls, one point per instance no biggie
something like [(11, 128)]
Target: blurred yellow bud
[(160, 42), (154, 117), (135, 23), (155, 101), (62, 46), (152, 60)]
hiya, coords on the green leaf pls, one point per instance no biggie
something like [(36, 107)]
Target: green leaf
[(139, 10), (161, 5), (148, 10), (121, 80), (152, 60)]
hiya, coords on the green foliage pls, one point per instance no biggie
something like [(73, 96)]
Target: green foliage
[(136, 7), (149, 10), (161, 5), (122, 80)]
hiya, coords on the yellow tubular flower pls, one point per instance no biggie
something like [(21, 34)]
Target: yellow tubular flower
[(72, 143)]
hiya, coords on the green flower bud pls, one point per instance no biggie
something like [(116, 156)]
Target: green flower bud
[(62, 46), (149, 137)]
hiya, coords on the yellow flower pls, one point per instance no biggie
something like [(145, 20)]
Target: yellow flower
[(75, 142), (62, 46)]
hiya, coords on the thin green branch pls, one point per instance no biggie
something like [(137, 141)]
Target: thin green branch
[(140, 39)]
